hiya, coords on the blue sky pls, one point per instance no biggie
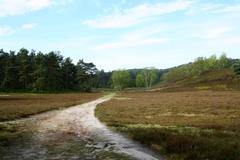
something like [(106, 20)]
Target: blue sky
[(118, 34)]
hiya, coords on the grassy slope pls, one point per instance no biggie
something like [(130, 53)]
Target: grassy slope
[(15, 106), (213, 80)]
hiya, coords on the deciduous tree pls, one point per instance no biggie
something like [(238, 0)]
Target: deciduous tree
[(120, 79)]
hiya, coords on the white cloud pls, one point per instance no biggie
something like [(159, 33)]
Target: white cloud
[(214, 33), (6, 31), (29, 26), (137, 38), (137, 14), (228, 9), (213, 8), (125, 43), (19, 7), (61, 2), (232, 40)]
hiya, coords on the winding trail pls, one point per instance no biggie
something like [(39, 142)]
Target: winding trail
[(75, 133)]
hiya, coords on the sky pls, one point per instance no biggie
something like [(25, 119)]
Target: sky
[(123, 34)]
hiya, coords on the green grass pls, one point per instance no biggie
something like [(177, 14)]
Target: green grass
[(181, 125)]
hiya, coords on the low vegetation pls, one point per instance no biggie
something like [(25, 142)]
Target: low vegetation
[(181, 125), (223, 79), (8, 133), (200, 66), (15, 106)]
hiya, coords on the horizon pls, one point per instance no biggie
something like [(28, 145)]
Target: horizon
[(123, 34), (134, 68)]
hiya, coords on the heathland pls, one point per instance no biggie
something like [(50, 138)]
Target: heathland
[(182, 125), (194, 113), (18, 105), (188, 112)]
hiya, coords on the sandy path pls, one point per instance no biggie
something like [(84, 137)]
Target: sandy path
[(57, 128)]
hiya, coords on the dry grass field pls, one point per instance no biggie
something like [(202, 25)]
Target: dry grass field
[(15, 106), (181, 125)]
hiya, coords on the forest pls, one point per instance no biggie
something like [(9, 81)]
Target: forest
[(37, 71), (50, 72), (30, 71)]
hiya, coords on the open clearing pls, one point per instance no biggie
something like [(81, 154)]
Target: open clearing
[(71, 133), (13, 106), (182, 125)]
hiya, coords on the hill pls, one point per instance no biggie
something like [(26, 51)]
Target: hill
[(203, 74)]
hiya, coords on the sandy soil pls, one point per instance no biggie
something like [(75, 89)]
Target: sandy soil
[(75, 133)]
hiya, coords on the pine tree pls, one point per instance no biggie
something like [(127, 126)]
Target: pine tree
[(24, 68), (69, 73)]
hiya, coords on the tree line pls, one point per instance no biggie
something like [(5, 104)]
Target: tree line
[(136, 78), (149, 76), (36, 71), (26, 70), (30, 71)]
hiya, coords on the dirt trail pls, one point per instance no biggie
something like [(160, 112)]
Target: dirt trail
[(75, 133)]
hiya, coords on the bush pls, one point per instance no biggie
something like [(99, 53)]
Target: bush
[(198, 67)]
